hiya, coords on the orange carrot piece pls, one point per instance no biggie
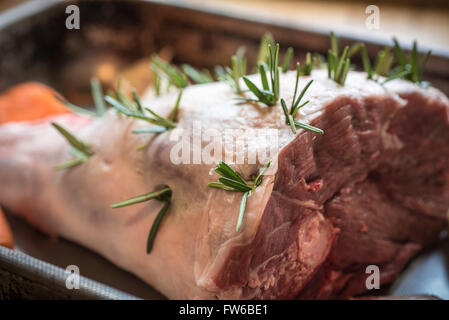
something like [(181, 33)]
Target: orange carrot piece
[(29, 101), (6, 239)]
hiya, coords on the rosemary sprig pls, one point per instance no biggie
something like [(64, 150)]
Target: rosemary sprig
[(412, 61), (384, 62), (266, 41), (164, 195), (296, 105), (157, 82), (164, 124), (196, 75), (382, 65), (267, 95), (338, 65), (79, 149), (287, 60), (75, 108), (230, 180), (173, 74), (233, 74), (97, 95), (306, 69)]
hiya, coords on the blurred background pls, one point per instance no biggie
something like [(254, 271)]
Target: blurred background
[(426, 20), (117, 38)]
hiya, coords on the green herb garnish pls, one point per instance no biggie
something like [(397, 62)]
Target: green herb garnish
[(338, 65), (266, 41), (296, 105), (173, 74), (230, 180), (384, 61), (267, 95), (97, 96), (232, 75), (137, 111), (306, 69), (287, 60), (411, 63), (196, 75), (164, 195), (382, 66), (157, 82), (79, 149)]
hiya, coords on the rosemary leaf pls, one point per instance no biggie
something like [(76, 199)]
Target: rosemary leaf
[(338, 66), (354, 49), (163, 195), (399, 53), (79, 149), (309, 127), (73, 141), (296, 102), (69, 164), (137, 102), (150, 130), (263, 76), (97, 95), (158, 120), (160, 195), (412, 60), (266, 40), (289, 115), (197, 76), (234, 184), (334, 44), (242, 210), (157, 82), (232, 75), (258, 179), (219, 185), (287, 60), (306, 70), (74, 107), (230, 180), (175, 77), (384, 62), (366, 62), (174, 113), (398, 75), (155, 226), (266, 95), (225, 170)]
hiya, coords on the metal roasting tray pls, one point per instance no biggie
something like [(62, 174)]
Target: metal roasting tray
[(35, 45)]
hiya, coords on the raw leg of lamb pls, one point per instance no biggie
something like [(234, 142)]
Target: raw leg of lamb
[(372, 190)]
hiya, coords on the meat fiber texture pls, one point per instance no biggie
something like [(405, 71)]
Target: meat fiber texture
[(372, 190)]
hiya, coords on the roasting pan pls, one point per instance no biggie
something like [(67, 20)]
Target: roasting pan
[(36, 45)]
